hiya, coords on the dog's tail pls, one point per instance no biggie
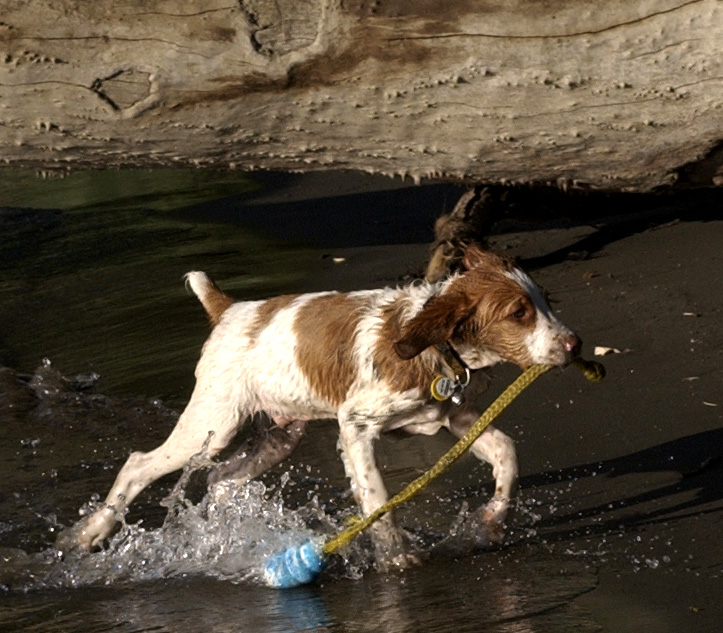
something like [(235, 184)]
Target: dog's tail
[(214, 300)]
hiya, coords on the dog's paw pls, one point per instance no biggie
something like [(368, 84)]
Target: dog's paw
[(399, 562), (493, 527), (478, 530), (87, 534), (72, 539), (393, 552)]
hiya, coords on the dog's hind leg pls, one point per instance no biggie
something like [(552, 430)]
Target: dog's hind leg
[(268, 445), (191, 435)]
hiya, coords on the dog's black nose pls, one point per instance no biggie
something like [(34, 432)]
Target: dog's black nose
[(573, 344)]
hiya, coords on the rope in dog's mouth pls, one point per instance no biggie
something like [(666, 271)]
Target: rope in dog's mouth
[(300, 565)]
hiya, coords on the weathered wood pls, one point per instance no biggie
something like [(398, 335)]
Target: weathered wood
[(612, 94)]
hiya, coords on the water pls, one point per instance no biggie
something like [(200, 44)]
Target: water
[(85, 261), (228, 541), (91, 281)]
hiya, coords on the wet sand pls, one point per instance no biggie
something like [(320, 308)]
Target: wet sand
[(623, 479)]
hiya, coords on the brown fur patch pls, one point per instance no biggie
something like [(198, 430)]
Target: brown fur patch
[(483, 309), (266, 312), (503, 317), (434, 323), (325, 330), (400, 374), (215, 302)]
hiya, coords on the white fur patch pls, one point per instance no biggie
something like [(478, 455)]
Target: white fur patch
[(545, 342)]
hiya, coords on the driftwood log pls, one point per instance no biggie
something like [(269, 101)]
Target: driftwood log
[(607, 94)]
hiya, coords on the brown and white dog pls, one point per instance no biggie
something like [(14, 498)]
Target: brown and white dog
[(367, 358)]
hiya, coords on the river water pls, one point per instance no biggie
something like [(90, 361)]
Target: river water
[(98, 344)]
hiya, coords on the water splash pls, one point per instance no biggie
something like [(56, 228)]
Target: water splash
[(226, 535), (229, 539)]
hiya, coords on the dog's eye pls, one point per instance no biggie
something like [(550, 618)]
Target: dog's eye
[(520, 313)]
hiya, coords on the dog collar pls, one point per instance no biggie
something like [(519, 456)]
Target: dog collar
[(444, 388)]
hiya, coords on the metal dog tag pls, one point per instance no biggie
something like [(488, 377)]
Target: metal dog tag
[(442, 388)]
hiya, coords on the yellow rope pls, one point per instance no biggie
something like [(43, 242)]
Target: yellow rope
[(593, 371)]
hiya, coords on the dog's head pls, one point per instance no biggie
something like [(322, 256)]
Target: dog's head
[(491, 312)]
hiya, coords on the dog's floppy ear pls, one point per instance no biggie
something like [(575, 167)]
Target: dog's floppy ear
[(433, 325)]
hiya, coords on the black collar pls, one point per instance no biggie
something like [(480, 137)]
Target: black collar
[(454, 361)]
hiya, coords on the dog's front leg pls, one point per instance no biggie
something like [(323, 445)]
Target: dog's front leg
[(357, 451), (498, 450)]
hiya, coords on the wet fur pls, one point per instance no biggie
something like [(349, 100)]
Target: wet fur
[(366, 358)]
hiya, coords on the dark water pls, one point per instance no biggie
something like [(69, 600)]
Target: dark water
[(98, 344)]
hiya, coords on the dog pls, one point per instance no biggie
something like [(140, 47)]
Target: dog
[(369, 359)]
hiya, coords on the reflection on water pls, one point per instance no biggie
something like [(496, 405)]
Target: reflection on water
[(102, 289), (91, 278), (396, 605), (156, 189)]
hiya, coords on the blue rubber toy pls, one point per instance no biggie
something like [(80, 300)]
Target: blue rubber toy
[(295, 566)]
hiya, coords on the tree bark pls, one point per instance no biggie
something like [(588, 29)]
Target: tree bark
[(608, 94)]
